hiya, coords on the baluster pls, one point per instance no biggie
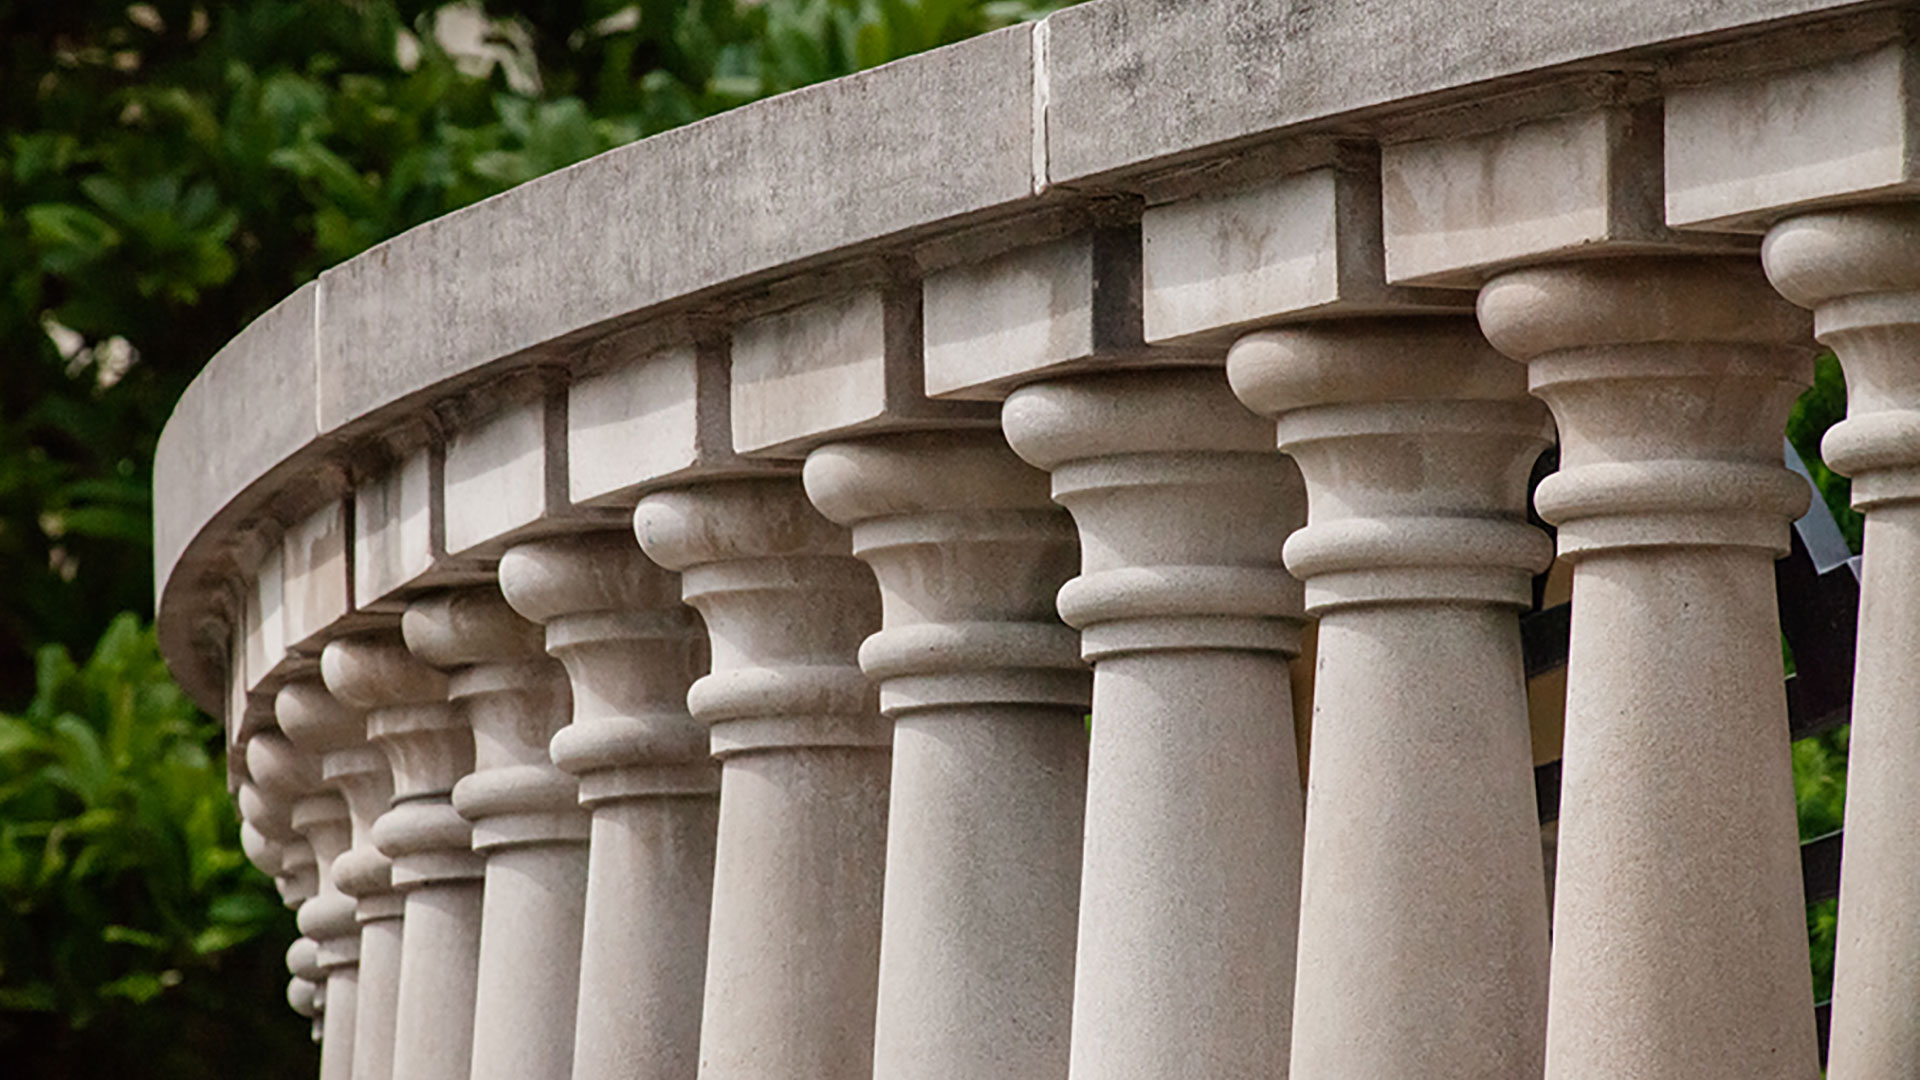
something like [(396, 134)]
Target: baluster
[(801, 843), (434, 868), (1423, 924), (1189, 890), (527, 824), (1859, 270), (631, 648), (1679, 930), (987, 695)]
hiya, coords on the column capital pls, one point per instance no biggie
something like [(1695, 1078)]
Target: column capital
[(1416, 440), (1182, 502), (1654, 368), (1855, 268), (426, 744), (631, 649), (965, 541), (512, 696), (318, 722), (786, 606)]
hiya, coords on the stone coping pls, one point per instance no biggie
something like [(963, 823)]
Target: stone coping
[(1137, 98)]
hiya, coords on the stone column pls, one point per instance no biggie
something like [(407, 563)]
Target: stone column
[(1189, 886), (1423, 924), (988, 697), (1859, 270), (434, 867), (527, 824), (793, 953), (337, 821), (631, 649), (306, 989), (328, 923), (1680, 945)]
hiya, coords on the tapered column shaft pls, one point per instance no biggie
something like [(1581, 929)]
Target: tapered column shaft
[(527, 824), (1423, 921), (631, 649), (336, 737), (988, 697), (364, 777), (434, 867), (1190, 883), (1680, 943), (328, 921), (1859, 270), (794, 945)]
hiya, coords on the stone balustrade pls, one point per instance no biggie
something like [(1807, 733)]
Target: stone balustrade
[(1018, 564)]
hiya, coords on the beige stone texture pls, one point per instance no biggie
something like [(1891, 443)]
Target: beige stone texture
[(316, 590), (527, 824), (434, 867), (988, 698), (1299, 246), (398, 522), (1423, 919), (1743, 152), (1189, 882), (1065, 304), (1577, 186), (793, 948), (266, 626), (1679, 945), (631, 649), (1857, 270), (844, 365), (336, 738)]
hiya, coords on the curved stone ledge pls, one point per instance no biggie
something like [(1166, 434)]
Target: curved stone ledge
[(867, 183)]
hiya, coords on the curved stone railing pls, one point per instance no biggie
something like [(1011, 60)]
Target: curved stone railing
[(1110, 364)]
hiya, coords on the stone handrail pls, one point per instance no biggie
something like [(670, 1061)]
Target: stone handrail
[(1090, 103), (655, 609)]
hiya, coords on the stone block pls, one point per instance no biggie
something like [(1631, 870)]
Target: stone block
[(1739, 154), (1585, 184), (1300, 246), (265, 618), (397, 520), (935, 137), (1062, 305), (317, 585), (648, 417), (253, 406), (1131, 82), (506, 473), (846, 365), (234, 706)]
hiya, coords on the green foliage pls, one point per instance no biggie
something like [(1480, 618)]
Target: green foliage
[(168, 170), (125, 896)]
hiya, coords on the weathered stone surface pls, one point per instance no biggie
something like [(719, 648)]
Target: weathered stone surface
[(886, 151), (251, 408), (1131, 81), (1573, 186), (397, 523), (845, 365), (1300, 246), (1053, 307), (317, 587), (265, 619), (1423, 924), (988, 697), (1740, 153), (1670, 381), (1856, 269)]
